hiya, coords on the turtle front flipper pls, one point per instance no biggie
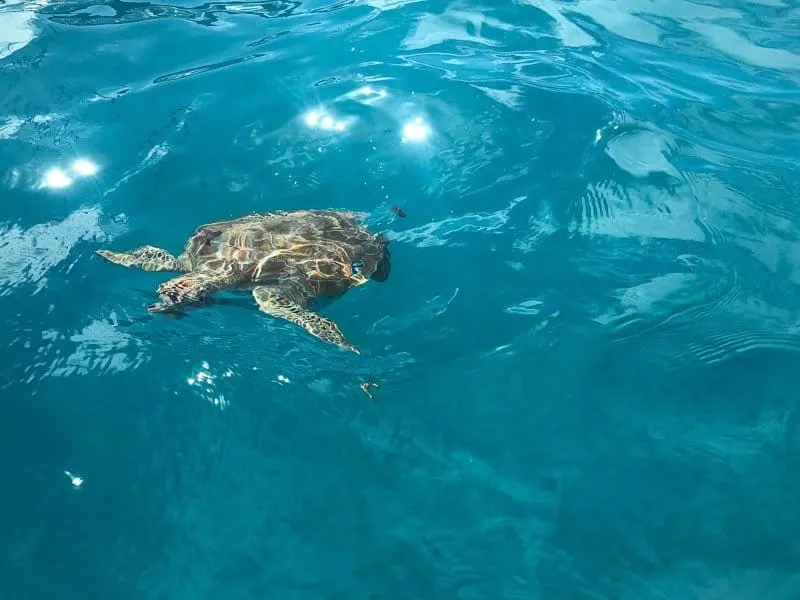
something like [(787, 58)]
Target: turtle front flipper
[(275, 302), (148, 258)]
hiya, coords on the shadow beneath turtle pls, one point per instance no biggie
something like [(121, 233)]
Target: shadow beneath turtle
[(244, 302)]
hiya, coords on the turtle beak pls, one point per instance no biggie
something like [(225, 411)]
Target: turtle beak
[(165, 311), (156, 308)]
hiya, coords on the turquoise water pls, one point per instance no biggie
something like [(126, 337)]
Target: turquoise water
[(587, 350)]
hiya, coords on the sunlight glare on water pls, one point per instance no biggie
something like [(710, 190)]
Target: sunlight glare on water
[(577, 381)]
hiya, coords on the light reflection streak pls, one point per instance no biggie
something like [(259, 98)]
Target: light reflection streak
[(366, 95)]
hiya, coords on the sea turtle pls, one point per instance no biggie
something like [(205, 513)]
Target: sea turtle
[(287, 259)]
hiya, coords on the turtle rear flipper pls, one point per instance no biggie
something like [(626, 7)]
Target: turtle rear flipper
[(148, 258), (276, 303)]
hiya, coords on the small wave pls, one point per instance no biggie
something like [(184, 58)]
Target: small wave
[(438, 232), (28, 255), (17, 27), (69, 13), (432, 308), (99, 349), (684, 325), (526, 307), (183, 73), (644, 212), (723, 345)]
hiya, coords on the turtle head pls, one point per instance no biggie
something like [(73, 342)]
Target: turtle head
[(182, 292), (384, 267)]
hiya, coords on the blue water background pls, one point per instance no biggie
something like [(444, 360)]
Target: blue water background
[(587, 350)]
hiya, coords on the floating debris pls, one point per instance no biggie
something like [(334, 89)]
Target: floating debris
[(365, 388), (76, 481)]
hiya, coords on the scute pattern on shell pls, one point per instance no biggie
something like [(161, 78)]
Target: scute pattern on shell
[(318, 247)]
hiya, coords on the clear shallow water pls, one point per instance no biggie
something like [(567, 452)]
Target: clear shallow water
[(587, 349)]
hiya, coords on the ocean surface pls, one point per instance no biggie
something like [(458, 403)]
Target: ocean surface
[(586, 352)]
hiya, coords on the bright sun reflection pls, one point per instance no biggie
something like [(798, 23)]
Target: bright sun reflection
[(84, 167), (57, 178), (327, 122), (416, 131), (320, 119), (312, 118)]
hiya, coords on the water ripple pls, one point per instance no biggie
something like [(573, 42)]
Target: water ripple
[(134, 12), (27, 256), (211, 67), (586, 341)]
